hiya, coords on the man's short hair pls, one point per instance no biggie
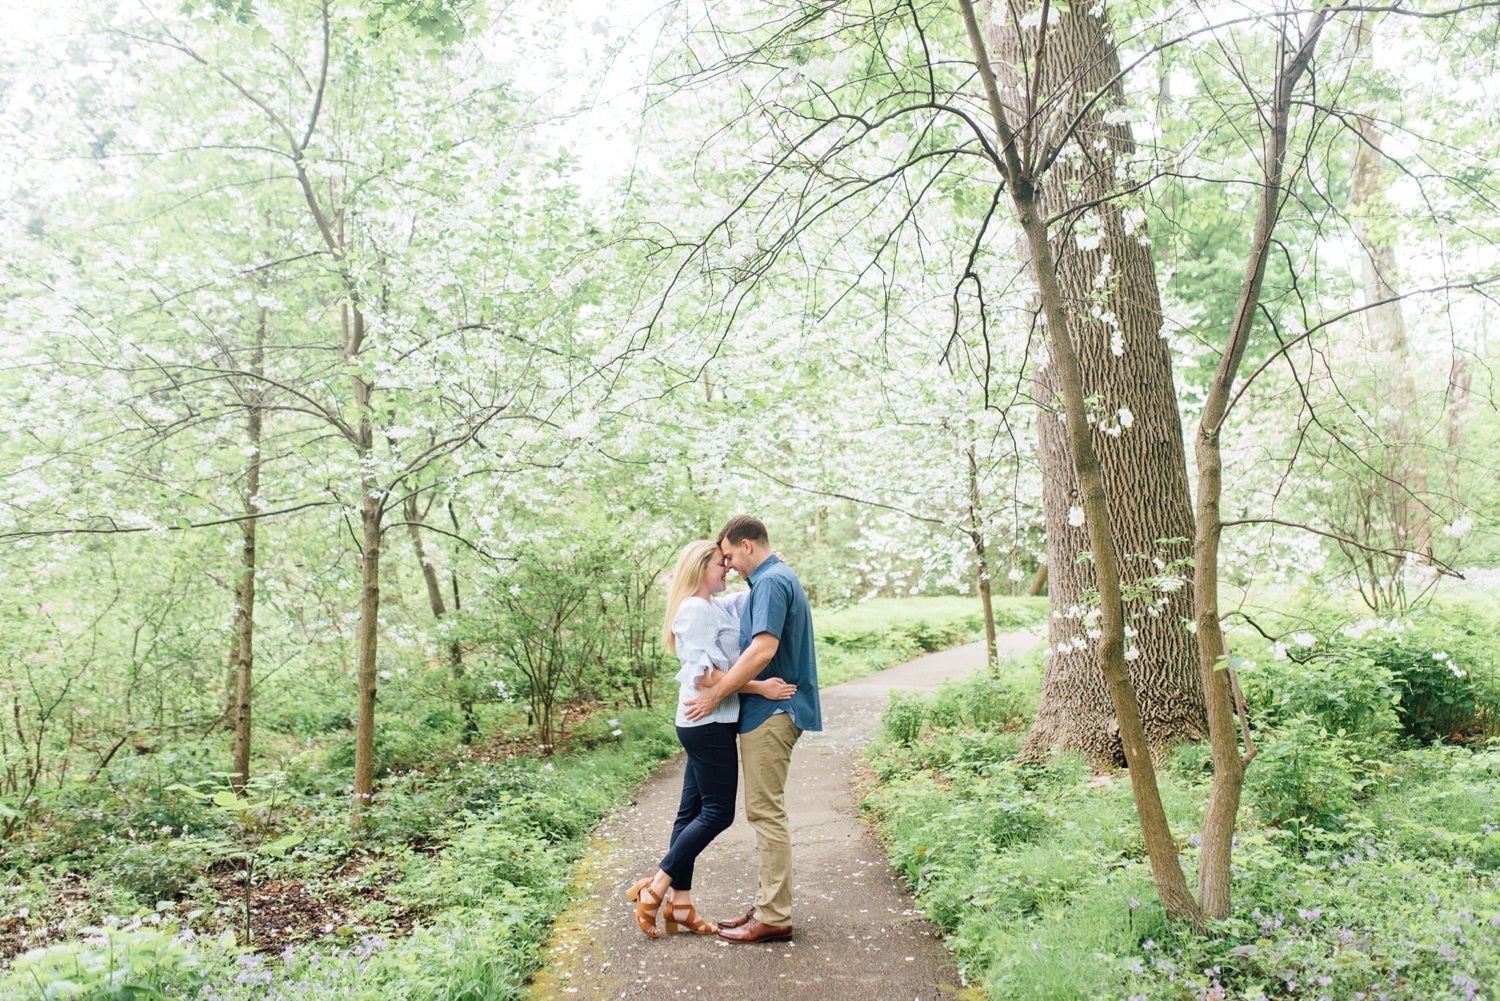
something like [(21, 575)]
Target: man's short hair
[(742, 527)]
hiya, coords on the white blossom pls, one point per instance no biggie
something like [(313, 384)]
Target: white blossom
[(1459, 528)]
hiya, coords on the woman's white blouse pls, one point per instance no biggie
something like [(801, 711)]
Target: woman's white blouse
[(708, 636)]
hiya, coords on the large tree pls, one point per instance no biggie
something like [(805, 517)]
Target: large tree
[(885, 125), (1072, 93)]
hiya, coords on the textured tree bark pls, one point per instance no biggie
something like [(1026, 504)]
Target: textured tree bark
[(1214, 873), (1166, 869), (982, 566), (368, 630), (232, 668), (1386, 323), (1107, 281), (245, 610)]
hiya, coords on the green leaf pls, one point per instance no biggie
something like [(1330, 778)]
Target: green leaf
[(283, 843)]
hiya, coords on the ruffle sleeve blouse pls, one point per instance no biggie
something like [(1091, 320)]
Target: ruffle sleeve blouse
[(708, 637)]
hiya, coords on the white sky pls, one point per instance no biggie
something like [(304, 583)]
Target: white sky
[(602, 133)]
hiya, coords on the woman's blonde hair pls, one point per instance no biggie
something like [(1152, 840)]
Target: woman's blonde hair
[(685, 580)]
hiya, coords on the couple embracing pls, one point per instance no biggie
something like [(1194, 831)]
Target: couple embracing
[(748, 674)]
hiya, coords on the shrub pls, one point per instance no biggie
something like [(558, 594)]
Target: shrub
[(1429, 676), (881, 633), (596, 730), (481, 862), (1304, 778), (952, 752), (981, 701), (904, 717), (1191, 760), (1450, 686), (141, 960), (154, 870), (1346, 689), (398, 747)]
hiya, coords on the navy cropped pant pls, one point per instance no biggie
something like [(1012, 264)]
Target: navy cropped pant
[(709, 787)]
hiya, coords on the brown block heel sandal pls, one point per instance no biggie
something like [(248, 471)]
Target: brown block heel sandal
[(647, 904), (684, 918)]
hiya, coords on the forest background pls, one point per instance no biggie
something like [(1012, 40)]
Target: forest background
[(366, 365)]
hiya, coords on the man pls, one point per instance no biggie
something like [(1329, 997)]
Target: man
[(776, 638)]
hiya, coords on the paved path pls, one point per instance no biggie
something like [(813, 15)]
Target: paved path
[(857, 938)]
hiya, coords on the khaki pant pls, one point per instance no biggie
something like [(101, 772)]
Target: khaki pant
[(765, 753)]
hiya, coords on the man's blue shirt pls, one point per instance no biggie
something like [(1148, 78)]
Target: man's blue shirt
[(778, 606)]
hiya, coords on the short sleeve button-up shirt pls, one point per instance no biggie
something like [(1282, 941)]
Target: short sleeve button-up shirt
[(778, 605)]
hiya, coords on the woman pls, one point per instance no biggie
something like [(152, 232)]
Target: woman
[(704, 631)]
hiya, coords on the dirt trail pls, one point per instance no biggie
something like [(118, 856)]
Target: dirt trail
[(857, 938)]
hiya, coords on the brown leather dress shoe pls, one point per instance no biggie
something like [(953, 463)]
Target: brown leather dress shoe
[(737, 922), (756, 930)]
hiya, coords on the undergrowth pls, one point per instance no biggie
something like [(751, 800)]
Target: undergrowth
[(861, 639), (1367, 865), (134, 885), (453, 881)]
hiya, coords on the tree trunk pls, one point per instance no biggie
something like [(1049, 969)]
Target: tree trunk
[(1374, 228), (1127, 724), (368, 633), (1038, 585), (976, 533), (1108, 288), (439, 609), (245, 612), (1461, 385), (232, 667), (1214, 872)]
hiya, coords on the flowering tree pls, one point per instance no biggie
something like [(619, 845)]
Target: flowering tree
[(389, 342)]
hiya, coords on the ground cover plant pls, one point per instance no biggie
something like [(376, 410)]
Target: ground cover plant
[(446, 890), (1367, 859), (364, 366), (861, 638)]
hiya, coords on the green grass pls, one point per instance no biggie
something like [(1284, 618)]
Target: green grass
[(880, 613), (1037, 874), (481, 853), (861, 639)]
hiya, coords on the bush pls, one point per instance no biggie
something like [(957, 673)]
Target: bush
[(1305, 777), (1448, 675), (904, 717), (154, 870), (398, 747), (1378, 875), (1429, 676), (885, 632), (483, 861), (1345, 689), (141, 960), (982, 702), (595, 731), (979, 702)]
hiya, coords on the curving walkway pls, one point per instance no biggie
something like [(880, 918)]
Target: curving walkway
[(857, 936)]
